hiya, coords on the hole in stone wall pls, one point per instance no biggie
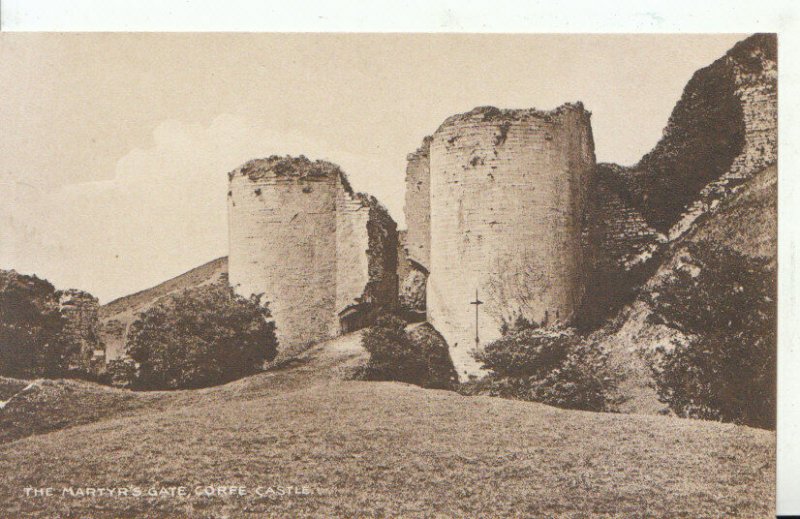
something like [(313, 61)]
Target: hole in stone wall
[(500, 139)]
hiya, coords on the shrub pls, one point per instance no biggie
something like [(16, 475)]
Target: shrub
[(31, 325), (417, 357), (555, 367), (121, 373), (201, 337), (725, 304), (518, 324), (440, 372)]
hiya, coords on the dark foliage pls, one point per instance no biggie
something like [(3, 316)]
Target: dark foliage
[(704, 134), (121, 373), (553, 367), (201, 337), (31, 341), (726, 304), (418, 357), (519, 324)]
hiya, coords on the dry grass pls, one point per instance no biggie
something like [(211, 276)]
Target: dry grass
[(388, 450)]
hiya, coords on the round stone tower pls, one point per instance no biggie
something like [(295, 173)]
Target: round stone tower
[(507, 198), (282, 232)]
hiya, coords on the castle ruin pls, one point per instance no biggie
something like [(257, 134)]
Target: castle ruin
[(80, 311), (324, 257), (495, 204)]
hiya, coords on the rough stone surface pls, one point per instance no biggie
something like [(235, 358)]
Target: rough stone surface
[(300, 236), (380, 292), (412, 278), (619, 245), (732, 191), (621, 236), (80, 311), (418, 204), (723, 130), (403, 264), (412, 292), (508, 193), (113, 333)]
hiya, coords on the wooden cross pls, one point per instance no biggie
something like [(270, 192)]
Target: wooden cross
[(477, 304)]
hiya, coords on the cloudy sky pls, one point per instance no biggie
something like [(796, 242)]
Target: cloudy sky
[(114, 148)]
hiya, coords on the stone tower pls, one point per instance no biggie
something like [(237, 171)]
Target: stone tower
[(508, 194), (324, 257), (418, 204)]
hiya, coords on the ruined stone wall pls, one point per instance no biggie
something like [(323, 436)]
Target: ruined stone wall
[(366, 238), (618, 247), (723, 129), (418, 204), (619, 234), (113, 334), (80, 311), (403, 265), (412, 281), (352, 242), (313, 247), (282, 232), (381, 291), (508, 195)]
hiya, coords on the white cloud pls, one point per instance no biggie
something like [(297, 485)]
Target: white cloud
[(163, 213)]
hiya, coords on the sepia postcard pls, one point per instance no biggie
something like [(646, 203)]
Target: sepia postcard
[(388, 275)]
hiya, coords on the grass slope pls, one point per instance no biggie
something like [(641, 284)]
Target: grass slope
[(387, 449), (52, 405)]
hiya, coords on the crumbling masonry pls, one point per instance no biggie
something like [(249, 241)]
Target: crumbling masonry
[(324, 257), (497, 205)]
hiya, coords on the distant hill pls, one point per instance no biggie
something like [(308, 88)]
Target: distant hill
[(117, 315)]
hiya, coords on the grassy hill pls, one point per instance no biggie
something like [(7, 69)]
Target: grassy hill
[(117, 315), (373, 449), (746, 222)]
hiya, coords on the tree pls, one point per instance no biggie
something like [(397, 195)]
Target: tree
[(201, 337), (725, 304), (31, 341), (555, 367)]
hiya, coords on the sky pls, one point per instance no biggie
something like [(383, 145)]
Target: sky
[(114, 148)]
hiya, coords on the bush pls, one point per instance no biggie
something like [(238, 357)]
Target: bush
[(121, 373), (31, 325), (417, 357), (555, 367), (201, 337), (725, 304)]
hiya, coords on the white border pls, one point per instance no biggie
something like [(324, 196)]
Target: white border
[(509, 16)]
